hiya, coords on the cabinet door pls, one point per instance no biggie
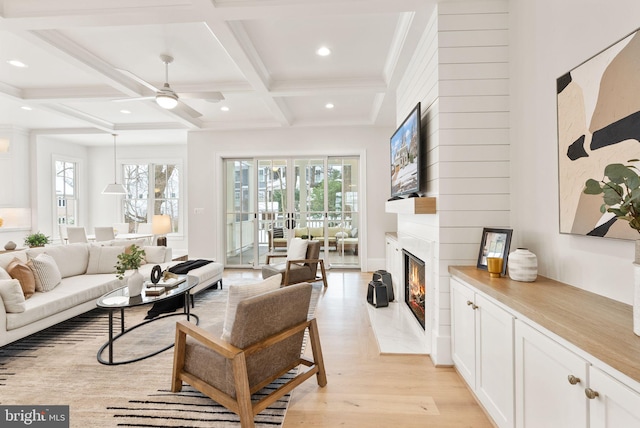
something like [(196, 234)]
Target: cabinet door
[(494, 361), (544, 396), (615, 406), (463, 342)]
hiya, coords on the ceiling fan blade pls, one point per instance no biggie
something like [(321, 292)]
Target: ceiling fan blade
[(124, 100), (185, 108), (212, 96), (138, 79)]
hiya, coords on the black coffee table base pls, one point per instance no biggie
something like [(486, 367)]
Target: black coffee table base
[(112, 339)]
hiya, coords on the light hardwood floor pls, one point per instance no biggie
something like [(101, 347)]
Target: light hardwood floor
[(366, 389)]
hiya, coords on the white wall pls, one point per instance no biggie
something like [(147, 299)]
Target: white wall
[(549, 38), (460, 75), (207, 149), (15, 184)]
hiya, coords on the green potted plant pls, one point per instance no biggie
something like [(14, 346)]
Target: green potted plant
[(131, 258), (37, 239), (620, 189)]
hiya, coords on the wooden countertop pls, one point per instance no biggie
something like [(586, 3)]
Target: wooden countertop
[(598, 325)]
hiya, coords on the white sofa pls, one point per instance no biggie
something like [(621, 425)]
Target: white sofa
[(78, 291)]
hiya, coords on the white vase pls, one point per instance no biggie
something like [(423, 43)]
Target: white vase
[(134, 283), (522, 265), (636, 299)]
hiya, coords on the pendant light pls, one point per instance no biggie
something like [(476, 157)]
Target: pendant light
[(114, 188)]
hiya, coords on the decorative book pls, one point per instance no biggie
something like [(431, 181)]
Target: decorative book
[(154, 291), (170, 282)]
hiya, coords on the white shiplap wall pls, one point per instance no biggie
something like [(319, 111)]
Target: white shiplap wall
[(460, 75)]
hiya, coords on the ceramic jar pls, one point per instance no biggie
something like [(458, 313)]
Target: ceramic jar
[(135, 283), (636, 299), (523, 265)]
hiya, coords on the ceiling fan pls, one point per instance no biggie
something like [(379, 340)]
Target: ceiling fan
[(166, 97)]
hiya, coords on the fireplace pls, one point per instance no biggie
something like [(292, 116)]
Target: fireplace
[(414, 285)]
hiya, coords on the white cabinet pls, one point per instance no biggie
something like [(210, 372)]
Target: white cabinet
[(557, 388), (612, 404), (482, 349), (550, 382), (394, 265), (527, 370)]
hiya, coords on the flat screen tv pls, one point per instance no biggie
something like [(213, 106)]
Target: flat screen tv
[(405, 156)]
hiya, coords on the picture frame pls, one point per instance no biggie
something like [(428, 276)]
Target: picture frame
[(495, 243)]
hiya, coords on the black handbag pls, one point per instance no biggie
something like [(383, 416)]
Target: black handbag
[(377, 294)]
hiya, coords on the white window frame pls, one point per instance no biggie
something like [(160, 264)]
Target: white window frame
[(151, 194)]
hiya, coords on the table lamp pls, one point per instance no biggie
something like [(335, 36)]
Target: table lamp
[(160, 226)]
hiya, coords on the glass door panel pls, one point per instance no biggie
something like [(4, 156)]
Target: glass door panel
[(270, 201), (310, 201), (240, 225), (272, 207), (343, 210)]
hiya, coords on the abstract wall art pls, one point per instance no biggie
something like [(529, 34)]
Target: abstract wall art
[(598, 106)]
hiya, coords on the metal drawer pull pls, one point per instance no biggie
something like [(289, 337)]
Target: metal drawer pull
[(573, 380), (591, 394)]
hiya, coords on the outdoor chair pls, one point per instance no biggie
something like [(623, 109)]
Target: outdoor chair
[(299, 269)]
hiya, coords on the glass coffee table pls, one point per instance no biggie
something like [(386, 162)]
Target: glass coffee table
[(119, 299)]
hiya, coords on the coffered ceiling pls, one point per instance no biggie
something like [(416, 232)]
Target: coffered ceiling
[(86, 61)]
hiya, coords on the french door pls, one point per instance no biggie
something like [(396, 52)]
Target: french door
[(271, 201)]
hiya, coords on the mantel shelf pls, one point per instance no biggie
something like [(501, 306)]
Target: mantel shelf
[(423, 205)]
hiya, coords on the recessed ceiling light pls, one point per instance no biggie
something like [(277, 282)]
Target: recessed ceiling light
[(125, 111), (17, 63), (224, 108), (323, 51), (26, 108), (329, 105)]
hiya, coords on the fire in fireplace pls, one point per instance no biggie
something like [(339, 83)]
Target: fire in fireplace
[(414, 285)]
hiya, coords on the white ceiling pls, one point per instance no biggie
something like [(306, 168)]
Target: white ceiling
[(260, 54)]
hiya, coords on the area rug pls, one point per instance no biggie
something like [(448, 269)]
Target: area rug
[(58, 366)]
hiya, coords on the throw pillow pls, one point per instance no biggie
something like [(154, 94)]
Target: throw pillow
[(354, 232), (103, 259), (4, 274), (297, 249), (154, 254), (278, 232), (12, 296), (341, 235), (20, 271), (239, 292), (45, 272)]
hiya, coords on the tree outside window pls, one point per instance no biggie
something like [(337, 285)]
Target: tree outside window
[(152, 189)]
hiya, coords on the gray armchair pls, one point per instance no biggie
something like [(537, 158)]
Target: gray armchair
[(295, 271), (265, 343)]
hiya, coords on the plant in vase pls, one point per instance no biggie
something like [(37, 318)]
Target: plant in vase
[(37, 239), (620, 190), (130, 259)]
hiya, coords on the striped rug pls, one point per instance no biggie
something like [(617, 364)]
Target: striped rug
[(58, 366)]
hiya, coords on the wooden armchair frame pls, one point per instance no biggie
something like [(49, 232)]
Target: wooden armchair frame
[(285, 274), (242, 404)]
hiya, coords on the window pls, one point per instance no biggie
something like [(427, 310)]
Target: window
[(66, 198), (152, 189)]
